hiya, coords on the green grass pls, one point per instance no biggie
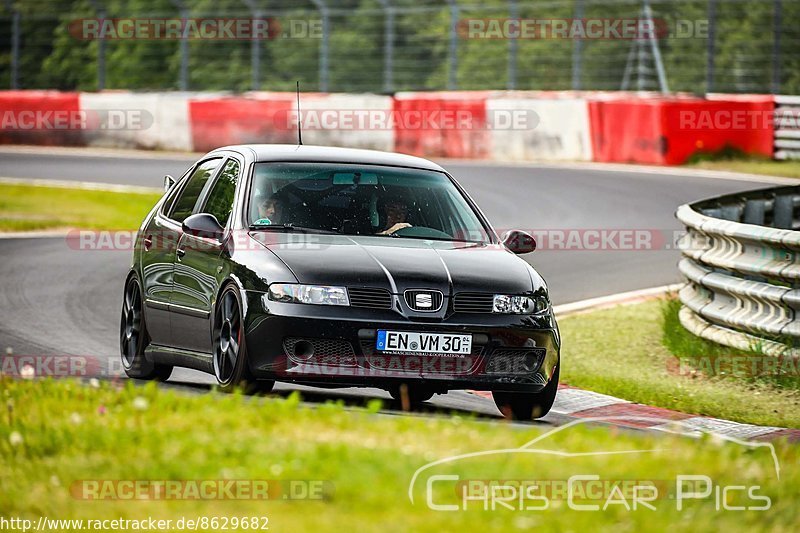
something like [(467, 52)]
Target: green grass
[(53, 434), (28, 207), (768, 167), (624, 352), (714, 360)]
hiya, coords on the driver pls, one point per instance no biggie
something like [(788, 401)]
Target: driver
[(269, 211), (395, 212)]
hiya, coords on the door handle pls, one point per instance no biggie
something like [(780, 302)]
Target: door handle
[(181, 252), (148, 242)]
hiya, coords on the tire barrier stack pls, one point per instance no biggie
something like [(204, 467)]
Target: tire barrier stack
[(741, 261), (787, 127)]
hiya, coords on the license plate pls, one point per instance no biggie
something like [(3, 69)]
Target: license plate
[(414, 342)]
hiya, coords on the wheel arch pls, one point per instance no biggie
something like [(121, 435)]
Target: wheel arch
[(231, 280)]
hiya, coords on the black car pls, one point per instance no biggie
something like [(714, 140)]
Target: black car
[(337, 267)]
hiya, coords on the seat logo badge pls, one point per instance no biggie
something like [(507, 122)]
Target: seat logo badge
[(424, 300)]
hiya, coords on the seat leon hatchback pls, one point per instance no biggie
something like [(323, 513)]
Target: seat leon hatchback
[(337, 267)]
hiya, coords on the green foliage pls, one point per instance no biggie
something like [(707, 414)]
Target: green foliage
[(744, 44)]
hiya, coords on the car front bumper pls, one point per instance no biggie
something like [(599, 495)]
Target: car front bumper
[(509, 352)]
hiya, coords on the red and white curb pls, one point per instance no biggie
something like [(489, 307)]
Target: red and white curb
[(582, 404), (586, 405)]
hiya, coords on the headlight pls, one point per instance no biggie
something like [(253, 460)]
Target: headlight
[(308, 294), (528, 305)]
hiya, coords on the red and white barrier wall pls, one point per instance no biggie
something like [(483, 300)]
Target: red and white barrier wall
[(539, 127), (668, 131), (497, 125)]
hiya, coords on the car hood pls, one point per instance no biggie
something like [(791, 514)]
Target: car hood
[(398, 264)]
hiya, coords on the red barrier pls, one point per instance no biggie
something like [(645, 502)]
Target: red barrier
[(442, 124), (241, 120), (49, 118), (670, 131)]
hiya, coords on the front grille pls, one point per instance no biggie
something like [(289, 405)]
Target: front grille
[(473, 302), (328, 352), (416, 297), (370, 298), (515, 361)]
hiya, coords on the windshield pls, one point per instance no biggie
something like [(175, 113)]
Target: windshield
[(361, 200)]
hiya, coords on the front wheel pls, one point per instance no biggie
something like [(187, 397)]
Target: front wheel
[(528, 406), (133, 337), (230, 350)]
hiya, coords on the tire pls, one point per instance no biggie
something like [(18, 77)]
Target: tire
[(133, 337), (528, 406), (416, 394), (230, 363)]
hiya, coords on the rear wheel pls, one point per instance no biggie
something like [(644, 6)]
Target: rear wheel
[(230, 350), (133, 337), (528, 406)]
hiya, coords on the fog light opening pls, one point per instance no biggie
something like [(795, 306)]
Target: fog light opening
[(304, 350), (530, 362)]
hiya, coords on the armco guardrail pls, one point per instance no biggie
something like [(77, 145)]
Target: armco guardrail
[(741, 260), (787, 132)]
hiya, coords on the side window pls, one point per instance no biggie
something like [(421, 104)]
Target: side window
[(185, 203), (173, 192), (220, 199)]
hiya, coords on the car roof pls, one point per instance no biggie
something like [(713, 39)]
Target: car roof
[(331, 154)]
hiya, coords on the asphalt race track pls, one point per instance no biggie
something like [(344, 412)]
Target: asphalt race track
[(57, 300)]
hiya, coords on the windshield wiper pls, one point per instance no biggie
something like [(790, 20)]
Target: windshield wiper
[(444, 239), (290, 227)]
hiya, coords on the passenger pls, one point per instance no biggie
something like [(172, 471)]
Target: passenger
[(269, 211)]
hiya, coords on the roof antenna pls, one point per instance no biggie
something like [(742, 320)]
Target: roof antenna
[(299, 130)]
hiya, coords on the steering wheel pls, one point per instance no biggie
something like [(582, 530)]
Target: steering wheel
[(422, 232)]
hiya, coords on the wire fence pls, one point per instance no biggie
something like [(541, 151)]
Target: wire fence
[(736, 46)]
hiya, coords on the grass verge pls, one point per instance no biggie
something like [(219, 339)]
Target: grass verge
[(788, 169), (625, 352), (29, 207), (59, 437)]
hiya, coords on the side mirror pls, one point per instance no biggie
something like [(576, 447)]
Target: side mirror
[(203, 225), (519, 242), (169, 181)]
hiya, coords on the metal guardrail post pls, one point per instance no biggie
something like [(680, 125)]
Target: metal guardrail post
[(101, 47), (783, 212), (776, 46), (183, 80), (452, 49), (255, 48), (577, 51), (388, 46), (324, 73), (755, 212), (710, 45), (513, 45), (16, 19)]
